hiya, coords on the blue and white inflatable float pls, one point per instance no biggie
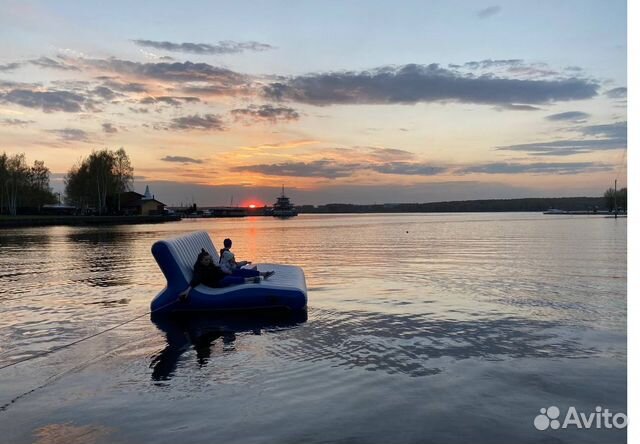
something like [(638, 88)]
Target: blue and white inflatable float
[(286, 289)]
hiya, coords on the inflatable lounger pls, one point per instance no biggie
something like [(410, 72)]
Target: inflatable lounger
[(176, 257)]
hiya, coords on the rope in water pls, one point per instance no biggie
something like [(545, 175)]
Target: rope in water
[(57, 376), (86, 338)]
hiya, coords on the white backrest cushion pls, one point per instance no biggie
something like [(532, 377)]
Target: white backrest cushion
[(185, 250)]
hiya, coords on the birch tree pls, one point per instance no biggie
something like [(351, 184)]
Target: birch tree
[(17, 172)]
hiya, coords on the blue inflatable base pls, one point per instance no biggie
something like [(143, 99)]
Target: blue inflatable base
[(286, 289)]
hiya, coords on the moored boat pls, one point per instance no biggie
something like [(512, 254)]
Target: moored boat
[(283, 207)]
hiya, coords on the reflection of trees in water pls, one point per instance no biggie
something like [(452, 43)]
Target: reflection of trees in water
[(410, 344), (201, 331), (104, 254), (19, 239), (25, 254)]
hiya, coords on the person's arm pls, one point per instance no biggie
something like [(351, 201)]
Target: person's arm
[(195, 281)]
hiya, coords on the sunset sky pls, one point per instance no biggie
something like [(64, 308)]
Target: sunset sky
[(358, 101)]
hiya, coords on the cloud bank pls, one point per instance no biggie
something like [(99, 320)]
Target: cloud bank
[(71, 134), (48, 100), (220, 48), (611, 136), (265, 113), (537, 168), (206, 122), (410, 84), (181, 159), (574, 116)]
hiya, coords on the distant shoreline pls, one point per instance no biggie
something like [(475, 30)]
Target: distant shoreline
[(572, 205), (583, 204)]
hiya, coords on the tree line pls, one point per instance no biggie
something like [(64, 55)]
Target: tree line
[(23, 186), (94, 183), (98, 181), (468, 206), (613, 198)]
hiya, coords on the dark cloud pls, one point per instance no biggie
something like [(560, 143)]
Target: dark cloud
[(209, 122), (617, 93), (489, 63), (539, 71), (104, 92), (181, 159), (570, 147), (49, 100), (566, 147), (46, 62), (265, 113), (488, 11), (79, 86), (389, 154), (333, 168), (71, 134), (517, 107), (536, 168), (219, 89), (224, 47), (611, 137), (138, 110), (9, 84), (617, 130), (124, 87), (10, 66), (574, 116), (514, 68), (188, 78), (173, 72), (16, 122), (408, 168), (318, 168), (411, 84), (109, 128), (168, 100)]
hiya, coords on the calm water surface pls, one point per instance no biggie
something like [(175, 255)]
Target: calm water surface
[(443, 328)]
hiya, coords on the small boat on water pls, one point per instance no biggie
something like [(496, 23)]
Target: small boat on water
[(286, 289), (283, 207)]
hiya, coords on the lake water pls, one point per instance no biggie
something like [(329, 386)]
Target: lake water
[(421, 328)]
